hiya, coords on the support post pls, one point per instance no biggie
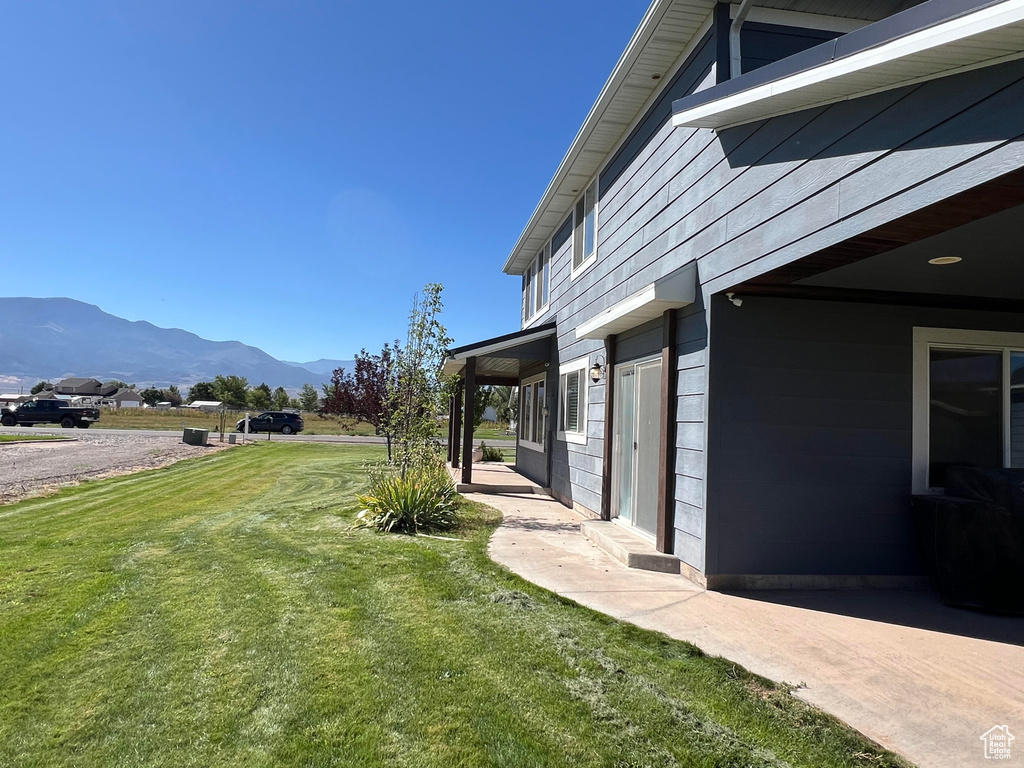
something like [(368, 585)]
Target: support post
[(609, 428), (467, 435), (457, 429), (451, 424), (667, 449)]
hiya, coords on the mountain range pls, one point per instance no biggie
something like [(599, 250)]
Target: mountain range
[(56, 338)]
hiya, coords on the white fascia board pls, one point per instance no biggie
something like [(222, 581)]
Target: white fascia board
[(499, 346), (671, 292), (761, 101)]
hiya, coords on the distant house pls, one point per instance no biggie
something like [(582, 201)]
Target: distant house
[(13, 399), (75, 386), (206, 405), (123, 398)]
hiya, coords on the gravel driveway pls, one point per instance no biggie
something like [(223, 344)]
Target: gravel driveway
[(31, 469)]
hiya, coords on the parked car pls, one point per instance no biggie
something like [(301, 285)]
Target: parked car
[(48, 412), (273, 421)]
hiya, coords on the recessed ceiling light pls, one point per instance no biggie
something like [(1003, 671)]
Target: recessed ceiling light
[(945, 260), (655, 77)]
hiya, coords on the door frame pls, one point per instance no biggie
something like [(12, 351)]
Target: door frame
[(631, 367)]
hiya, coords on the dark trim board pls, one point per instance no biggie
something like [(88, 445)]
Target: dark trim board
[(609, 425), (667, 448), (900, 298)]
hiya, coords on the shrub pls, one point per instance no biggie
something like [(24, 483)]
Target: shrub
[(491, 454), (424, 500)]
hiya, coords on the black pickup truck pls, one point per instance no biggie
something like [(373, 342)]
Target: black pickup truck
[(48, 412)]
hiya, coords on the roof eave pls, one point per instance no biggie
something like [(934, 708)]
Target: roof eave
[(521, 255)]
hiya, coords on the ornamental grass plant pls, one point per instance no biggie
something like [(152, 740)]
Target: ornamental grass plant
[(423, 499)]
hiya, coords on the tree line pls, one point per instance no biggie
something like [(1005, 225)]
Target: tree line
[(233, 391)]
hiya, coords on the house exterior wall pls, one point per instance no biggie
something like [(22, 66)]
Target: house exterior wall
[(740, 203), (775, 191), (811, 433)]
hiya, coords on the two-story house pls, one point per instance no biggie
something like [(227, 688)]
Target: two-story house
[(776, 286)]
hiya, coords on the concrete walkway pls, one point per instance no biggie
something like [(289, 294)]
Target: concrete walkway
[(921, 679)]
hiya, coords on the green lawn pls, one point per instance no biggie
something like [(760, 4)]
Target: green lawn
[(19, 438), (219, 613)]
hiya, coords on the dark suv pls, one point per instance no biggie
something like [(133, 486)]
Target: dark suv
[(273, 421)]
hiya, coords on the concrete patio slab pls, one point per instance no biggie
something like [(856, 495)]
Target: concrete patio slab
[(919, 678)]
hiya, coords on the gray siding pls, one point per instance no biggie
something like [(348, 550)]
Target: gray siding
[(740, 203), (766, 43), (811, 434)]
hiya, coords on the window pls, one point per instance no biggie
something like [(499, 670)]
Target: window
[(572, 401), (584, 247), (536, 281), (968, 402), (532, 407)]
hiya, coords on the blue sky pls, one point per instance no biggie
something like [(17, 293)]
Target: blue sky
[(288, 174)]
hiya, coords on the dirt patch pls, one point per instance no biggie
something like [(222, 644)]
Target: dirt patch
[(39, 468)]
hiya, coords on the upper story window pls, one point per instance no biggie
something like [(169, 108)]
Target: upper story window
[(584, 248), (537, 284)]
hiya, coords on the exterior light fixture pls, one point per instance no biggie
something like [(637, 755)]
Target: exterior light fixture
[(597, 370), (655, 77), (940, 260)]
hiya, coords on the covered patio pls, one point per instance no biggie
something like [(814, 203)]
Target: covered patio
[(492, 362)]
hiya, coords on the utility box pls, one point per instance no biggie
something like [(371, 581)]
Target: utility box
[(195, 436)]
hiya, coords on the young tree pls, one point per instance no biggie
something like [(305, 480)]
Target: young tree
[(417, 386), (309, 399), (337, 399), (280, 400), (202, 390), (232, 390), (371, 387), (260, 397), (42, 386)]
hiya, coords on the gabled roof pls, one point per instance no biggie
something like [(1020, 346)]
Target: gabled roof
[(667, 30), (75, 382)]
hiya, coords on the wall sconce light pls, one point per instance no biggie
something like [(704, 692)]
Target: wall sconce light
[(734, 299), (597, 370)]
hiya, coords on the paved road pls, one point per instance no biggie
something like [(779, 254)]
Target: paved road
[(363, 439)]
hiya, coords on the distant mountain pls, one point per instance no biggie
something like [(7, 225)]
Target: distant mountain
[(55, 338), (325, 367)]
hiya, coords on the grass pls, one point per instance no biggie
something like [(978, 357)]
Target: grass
[(219, 612), (175, 419), (19, 438)]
